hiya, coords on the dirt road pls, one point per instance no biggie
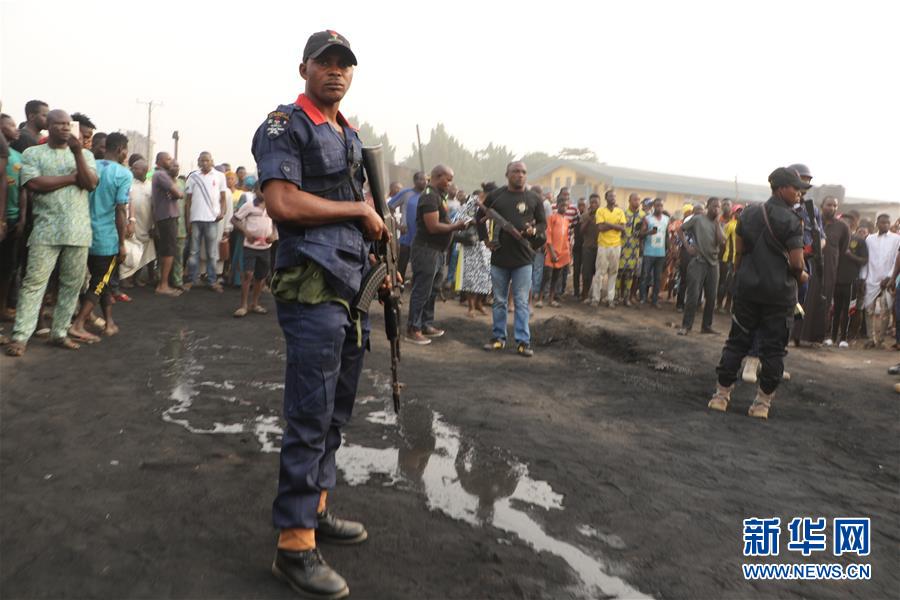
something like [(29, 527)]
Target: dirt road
[(145, 466)]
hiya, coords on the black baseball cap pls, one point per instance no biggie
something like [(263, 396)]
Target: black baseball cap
[(784, 176), (321, 41)]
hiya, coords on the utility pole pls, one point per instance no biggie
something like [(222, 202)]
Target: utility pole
[(150, 105), (176, 138), (419, 139)]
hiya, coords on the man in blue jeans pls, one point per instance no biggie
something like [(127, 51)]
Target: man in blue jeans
[(433, 234), (511, 258), (654, 231), (204, 207)]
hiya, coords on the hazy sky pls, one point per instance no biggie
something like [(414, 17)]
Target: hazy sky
[(712, 89)]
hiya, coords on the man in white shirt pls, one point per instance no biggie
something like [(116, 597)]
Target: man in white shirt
[(883, 246), (139, 242), (204, 206)]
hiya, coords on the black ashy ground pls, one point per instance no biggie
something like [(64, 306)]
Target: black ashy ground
[(145, 465)]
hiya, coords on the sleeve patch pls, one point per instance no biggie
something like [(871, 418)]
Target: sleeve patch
[(276, 123)]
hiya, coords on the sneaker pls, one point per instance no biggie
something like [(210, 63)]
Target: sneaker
[(709, 331), (720, 399), (539, 304), (554, 304), (895, 370), (828, 343), (309, 575), (495, 344), (843, 344), (414, 336), (432, 332), (525, 350), (761, 404), (122, 297), (683, 331)]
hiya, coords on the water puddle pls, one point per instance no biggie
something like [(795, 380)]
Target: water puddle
[(199, 405), (483, 487), (480, 487)]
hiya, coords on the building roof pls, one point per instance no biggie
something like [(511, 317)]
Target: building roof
[(663, 182), (624, 177)]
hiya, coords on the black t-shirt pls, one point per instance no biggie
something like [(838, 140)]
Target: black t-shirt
[(848, 271), (430, 201), (520, 209), (764, 276), (25, 141)]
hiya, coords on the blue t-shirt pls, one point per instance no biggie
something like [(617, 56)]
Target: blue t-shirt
[(412, 208), (655, 245), (409, 199), (113, 188)]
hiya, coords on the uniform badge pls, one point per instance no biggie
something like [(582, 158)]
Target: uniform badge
[(276, 123), (521, 207)]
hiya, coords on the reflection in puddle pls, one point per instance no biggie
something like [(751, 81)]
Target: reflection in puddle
[(480, 486)]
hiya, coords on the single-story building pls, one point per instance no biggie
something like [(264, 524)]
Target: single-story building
[(584, 178)]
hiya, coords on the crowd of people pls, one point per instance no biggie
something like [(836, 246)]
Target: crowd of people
[(631, 257), (84, 219)]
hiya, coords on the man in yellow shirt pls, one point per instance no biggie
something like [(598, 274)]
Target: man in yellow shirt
[(610, 225)]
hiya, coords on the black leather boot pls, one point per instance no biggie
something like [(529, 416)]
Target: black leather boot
[(309, 575), (339, 531)]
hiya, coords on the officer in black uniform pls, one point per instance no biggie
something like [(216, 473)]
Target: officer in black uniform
[(309, 162), (769, 266)]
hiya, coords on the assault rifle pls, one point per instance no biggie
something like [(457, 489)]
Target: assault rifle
[(386, 266), (508, 227)]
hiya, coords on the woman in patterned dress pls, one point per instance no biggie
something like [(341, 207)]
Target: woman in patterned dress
[(631, 249), (473, 268)]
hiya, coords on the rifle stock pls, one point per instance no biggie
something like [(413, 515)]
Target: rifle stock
[(388, 253)]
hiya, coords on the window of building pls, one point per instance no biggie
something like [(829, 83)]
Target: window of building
[(568, 182), (556, 183)]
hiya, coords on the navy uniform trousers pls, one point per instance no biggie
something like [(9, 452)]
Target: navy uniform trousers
[(324, 363)]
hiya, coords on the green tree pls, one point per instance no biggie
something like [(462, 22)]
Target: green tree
[(492, 162), (537, 160), (370, 137), (443, 148)]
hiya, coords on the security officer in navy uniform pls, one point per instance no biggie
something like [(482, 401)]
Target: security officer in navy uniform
[(768, 268), (309, 163)]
